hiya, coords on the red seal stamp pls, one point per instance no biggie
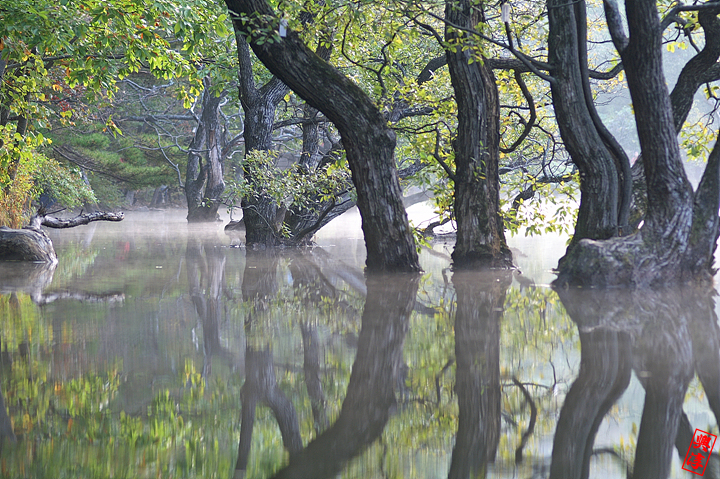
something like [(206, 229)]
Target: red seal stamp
[(698, 455)]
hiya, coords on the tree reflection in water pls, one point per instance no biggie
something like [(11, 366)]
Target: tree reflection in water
[(337, 390), (370, 396), (480, 301), (258, 288), (665, 336)]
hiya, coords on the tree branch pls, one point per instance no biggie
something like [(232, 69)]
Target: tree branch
[(54, 222), (615, 25)]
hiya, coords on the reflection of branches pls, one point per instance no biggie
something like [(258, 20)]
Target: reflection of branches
[(531, 426), (370, 394), (447, 366)]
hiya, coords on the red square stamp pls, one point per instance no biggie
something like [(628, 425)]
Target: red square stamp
[(698, 455)]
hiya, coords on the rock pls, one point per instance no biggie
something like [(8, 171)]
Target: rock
[(27, 244), (236, 225)]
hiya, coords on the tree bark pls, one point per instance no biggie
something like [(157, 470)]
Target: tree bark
[(204, 182), (599, 213), (368, 141), (480, 229), (677, 239), (259, 104)]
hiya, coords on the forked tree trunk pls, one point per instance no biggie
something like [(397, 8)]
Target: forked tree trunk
[(204, 182), (368, 141), (480, 230), (678, 237), (259, 104), (584, 136)]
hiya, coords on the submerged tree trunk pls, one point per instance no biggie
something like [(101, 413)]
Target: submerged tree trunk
[(678, 237), (368, 141), (599, 159), (259, 104), (480, 229), (204, 182)]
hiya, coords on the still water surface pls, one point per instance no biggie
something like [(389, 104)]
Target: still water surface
[(158, 350)]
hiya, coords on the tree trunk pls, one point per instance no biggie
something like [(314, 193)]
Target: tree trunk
[(368, 141), (204, 182), (32, 244), (678, 236), (259, 104), (480, 229), (605, 368), (580, 128)]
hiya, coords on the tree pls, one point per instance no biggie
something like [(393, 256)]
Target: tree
[(368, 142), (678, 236), (480, 229), (259, 105), (204, 182)]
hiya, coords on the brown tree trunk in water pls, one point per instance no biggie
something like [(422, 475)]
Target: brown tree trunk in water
[(696, 72), (480, 229), (204, 182), (599, 176), (259, 104), (677, 239), (368, 141)]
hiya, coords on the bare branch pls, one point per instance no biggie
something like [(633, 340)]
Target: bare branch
[(54, 222)]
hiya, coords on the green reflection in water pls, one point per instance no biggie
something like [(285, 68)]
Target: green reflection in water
[(132, 358)]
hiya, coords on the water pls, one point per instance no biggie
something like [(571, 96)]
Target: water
[(157, 349)]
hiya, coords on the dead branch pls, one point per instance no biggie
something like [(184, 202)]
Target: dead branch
[(81, 219)]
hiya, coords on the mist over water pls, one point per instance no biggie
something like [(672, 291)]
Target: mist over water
[(161, 349)]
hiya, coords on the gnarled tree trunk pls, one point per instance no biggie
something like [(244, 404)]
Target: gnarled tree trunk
[(368, 141), (204, 182), (480, 229), (678, 237), (259, 104), (599, 159)]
